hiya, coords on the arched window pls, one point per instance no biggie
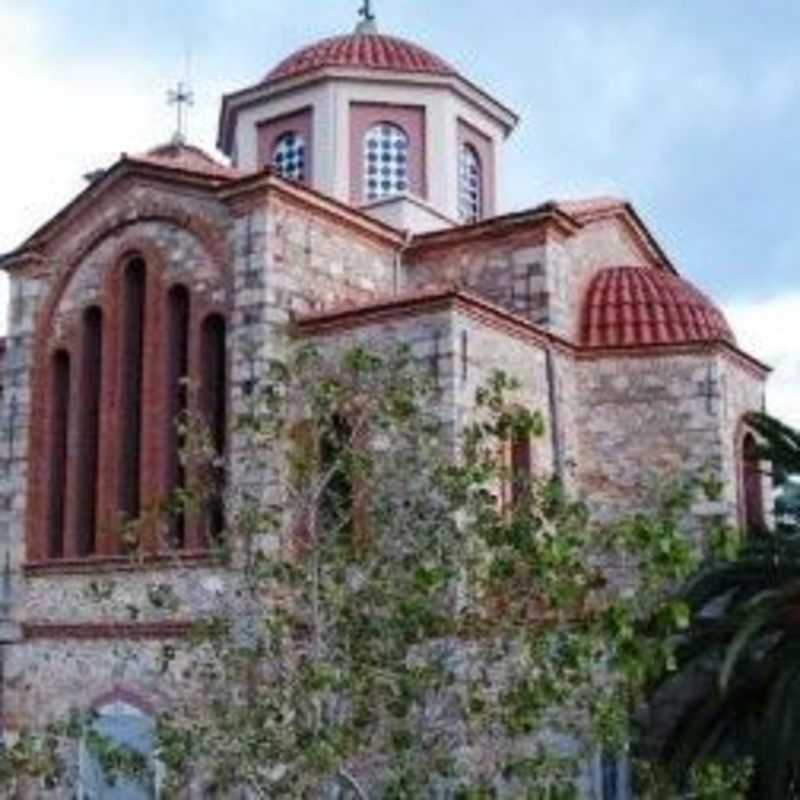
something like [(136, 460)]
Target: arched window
[(752, 485), (89, 431), (470, 184), (214, 398), (132, 372), (108, 454), (337, 501), (386, 153), (521, 467), (289, 156), (177, 353), (59, 438), (119, 725)]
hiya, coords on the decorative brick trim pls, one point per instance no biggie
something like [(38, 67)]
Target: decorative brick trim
[(154, 434), (271, 130), (254, 192), (541, 219), (131, 697), (411, 120), (484, 148), (99, 631), (424, 302), (190, 559), (98, 198), (751, 365)]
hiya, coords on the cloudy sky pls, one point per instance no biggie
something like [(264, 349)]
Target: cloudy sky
[(690, 109)]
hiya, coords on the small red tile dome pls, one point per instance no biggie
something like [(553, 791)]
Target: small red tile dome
[(188, 158), (631, 306), (368, 51)]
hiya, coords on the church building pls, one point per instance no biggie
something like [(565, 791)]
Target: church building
[(354, 198)]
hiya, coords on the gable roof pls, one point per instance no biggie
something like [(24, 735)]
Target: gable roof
[(189, 166)]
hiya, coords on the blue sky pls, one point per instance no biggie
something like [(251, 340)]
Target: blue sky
[(690, 109)]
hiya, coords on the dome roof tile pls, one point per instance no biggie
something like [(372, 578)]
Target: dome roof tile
[(630, 306), (368, 51)]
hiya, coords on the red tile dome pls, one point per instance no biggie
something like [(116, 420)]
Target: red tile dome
[(186, 157), (631, 306), (368, 51)]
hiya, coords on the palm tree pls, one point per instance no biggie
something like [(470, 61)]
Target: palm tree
[(739, 663)]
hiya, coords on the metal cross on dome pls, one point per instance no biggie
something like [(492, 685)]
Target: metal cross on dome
[(183, 98), (367, 12)]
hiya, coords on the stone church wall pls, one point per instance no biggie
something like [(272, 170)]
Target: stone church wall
[(740, 392), (539, 275), (641, 420), (510, 272), (574, 261)]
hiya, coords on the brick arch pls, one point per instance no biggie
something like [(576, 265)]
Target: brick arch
[(209, 236), (742, 433), (120, 693), (131, 244)]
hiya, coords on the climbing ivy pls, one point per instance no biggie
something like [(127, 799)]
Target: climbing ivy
[(391, 626)]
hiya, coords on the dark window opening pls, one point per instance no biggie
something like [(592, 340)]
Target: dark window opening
[(214, 397), (753, 486), (89, 431), (132, 366), (521, 466), (178, 314), (59, 438), (337, 498)]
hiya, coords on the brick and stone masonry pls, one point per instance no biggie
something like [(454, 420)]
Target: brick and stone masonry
[(636, 373)]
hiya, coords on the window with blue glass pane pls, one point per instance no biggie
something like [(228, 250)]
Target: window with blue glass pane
[(125, 727), (470, 184), (385, 161), (289, 156)]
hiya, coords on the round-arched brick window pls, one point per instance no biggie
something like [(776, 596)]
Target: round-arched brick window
[(289, 156), (386, 152), (470, 184)]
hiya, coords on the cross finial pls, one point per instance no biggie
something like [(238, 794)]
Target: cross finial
[(367, 24), (183, 98), (366, 11)]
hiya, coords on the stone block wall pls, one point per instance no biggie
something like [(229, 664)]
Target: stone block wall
[(534, 271), (26, 295), (741, 391), (289, 260), (575, 260), (510, 272), (641, 419), (482, 350)]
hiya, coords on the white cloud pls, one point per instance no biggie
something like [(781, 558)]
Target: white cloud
[(770, 330), (65, 116)]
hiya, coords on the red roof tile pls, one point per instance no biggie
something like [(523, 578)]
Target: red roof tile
[(370, 51), (630, 306), (590, 206), (187, 158)]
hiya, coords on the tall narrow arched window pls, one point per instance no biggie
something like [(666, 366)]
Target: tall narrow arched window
[(386, 154), (470, 184), (89, 431), (59, 438), (337, 501), (214, 398), (521, 467), (343, 508), (130, 397), (752, 485), (289, 156), (177, 354)]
